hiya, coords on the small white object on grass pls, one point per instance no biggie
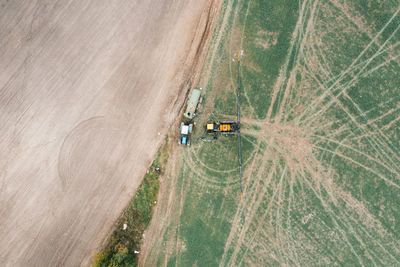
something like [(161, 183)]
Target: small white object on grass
[(125, 226), (136, 252)]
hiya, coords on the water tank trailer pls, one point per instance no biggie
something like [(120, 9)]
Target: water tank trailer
[(192, 103)]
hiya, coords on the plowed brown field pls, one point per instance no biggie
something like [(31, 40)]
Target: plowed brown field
[(84, 89)]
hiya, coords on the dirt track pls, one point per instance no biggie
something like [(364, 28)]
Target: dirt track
[(87, 92)]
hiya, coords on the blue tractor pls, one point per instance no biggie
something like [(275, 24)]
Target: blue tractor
[(186, 130)]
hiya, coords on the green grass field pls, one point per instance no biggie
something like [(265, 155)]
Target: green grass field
[(321, 142)]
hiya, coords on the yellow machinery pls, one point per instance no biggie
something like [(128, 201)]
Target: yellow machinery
[(223, 127)]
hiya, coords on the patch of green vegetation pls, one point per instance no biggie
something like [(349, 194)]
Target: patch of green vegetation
[(204, 235), (121, 247), (267, 33), (377, 14)]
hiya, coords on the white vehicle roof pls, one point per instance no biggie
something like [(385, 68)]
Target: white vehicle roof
[(185, 129)]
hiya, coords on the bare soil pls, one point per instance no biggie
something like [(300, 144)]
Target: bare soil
[(88, 90)]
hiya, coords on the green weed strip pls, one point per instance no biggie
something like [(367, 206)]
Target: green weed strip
[(124, 245)]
